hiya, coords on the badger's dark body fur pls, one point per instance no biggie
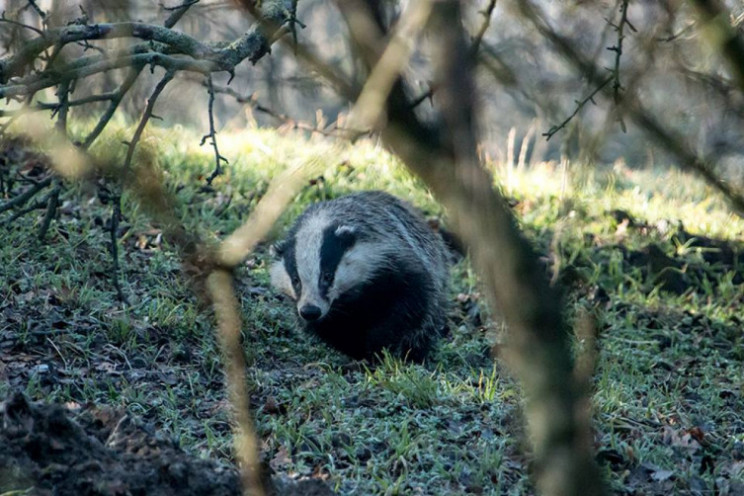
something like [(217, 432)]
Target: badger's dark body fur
[(368, 274)]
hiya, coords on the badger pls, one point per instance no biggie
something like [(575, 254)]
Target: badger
[(367, 273)]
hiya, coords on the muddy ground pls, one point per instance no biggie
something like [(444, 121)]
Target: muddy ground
[(49, 449)]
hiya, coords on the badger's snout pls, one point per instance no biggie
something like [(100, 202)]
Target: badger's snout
[(310, 313)]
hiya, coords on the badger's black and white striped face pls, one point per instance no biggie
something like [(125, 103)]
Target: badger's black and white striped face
[(322, 261)]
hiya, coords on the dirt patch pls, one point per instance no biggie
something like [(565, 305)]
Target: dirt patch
[(103, 452)]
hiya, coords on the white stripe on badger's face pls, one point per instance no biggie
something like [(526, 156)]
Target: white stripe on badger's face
[(280, 279), (357, 265), (309, 240)]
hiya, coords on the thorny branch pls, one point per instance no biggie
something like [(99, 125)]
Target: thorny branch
[(164, 48), (618, 49), (579, 105), (614, 78)]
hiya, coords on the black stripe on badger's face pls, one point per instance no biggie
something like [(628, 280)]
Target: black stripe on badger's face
[(337, 240), (290, 265)]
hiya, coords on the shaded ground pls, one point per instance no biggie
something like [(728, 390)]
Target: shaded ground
[(100, 451)]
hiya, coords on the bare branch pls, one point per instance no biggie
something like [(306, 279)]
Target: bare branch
[(14, 64), (116, 99), (218, 159), (93, 65), (51, 210), (163, 45), (23, 211), (117, 96), (478, 38), (177, 12), (21, 199), (146, 116), (20, 24)]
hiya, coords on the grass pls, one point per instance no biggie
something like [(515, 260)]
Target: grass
[(669, 384)]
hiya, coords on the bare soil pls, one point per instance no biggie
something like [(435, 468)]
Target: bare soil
[(48, 449)]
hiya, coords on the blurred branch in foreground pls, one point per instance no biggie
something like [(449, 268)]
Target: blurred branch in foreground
[(725, 38), (444, 155)]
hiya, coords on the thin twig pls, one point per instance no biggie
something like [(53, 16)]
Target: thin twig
[(38, 10), (146, 115), (674, 36), (579, 105), (20, 24), (114, 247), (63, 93), (331, 130), (218, 159), (177, 12), (116, 213), (113, 105), (478, 38), (51, 206)]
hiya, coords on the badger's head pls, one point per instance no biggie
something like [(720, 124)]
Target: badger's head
[(320, 262)]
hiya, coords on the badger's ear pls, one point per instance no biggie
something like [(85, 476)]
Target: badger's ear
[(277, 249), (346, 234)]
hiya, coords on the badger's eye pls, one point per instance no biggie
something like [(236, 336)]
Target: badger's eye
[(295, 281), (326, 277)]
